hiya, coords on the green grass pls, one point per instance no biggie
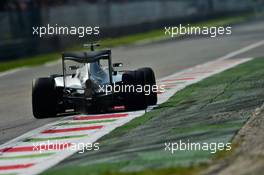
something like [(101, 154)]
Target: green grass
[(245, 78), (28, 61), (113, 42), (206, 127)]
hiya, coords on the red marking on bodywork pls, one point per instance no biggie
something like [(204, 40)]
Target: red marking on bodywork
[(119, 108)]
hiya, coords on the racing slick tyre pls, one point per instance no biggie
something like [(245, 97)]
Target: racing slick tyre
[(44, 98), (140, 100), (134, 100), (150, 80)]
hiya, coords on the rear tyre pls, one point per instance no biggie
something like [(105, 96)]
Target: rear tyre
[(134, 100), (140, 100), (44, 98), (150, 81)]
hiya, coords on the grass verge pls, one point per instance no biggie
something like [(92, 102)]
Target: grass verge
[(211, 110), (113, 42)]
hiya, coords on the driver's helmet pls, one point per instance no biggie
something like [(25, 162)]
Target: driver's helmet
[(98, 74)]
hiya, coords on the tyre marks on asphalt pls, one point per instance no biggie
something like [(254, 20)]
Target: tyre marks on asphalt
[(22, 155)]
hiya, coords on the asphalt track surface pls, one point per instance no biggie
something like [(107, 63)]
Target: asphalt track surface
[(164, 57)]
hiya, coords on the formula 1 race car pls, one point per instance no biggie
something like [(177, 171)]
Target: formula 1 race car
[(89, 84)]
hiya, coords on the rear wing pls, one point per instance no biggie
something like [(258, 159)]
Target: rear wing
[(88, 57)]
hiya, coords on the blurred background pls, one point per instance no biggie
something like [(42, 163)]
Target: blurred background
[(114, 17)]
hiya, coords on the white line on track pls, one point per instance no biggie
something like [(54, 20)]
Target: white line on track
[(242, 50)]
